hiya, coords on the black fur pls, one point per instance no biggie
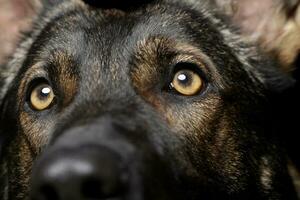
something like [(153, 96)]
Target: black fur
[(118, 60)]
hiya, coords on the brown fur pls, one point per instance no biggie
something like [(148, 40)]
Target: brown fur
[(213, 122)]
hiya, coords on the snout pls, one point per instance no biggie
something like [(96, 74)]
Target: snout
[(102, 160), (85, 173), (91, 161)]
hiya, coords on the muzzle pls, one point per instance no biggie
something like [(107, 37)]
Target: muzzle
[(100, 160)]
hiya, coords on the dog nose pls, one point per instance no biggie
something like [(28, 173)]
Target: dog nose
[(90, 173)]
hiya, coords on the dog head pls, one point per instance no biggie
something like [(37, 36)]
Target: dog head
[(155, 101)]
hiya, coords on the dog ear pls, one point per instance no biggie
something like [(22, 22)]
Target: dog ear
[(16, 17), (274, 24)]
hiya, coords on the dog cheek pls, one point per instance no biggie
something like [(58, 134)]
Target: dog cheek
[(225, 153), (212, 142), (19, 166), (36, 132), (266, 174), (191, 118)]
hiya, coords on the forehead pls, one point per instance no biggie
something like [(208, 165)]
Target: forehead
[(103, 43), (108, 34)]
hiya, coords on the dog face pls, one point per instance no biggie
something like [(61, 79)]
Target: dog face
[(159, 102)]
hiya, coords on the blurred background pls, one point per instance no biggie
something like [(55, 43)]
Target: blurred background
[(15, 15)]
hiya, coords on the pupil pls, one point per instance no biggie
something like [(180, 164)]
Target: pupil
[(183, 79), (45, 92)]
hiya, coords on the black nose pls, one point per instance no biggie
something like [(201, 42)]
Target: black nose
[(88, 173)]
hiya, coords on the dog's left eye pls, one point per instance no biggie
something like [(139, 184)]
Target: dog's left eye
[(187, 81), (41, 97)]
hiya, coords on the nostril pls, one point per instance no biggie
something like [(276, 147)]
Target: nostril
[(93, 188), (47, 192)]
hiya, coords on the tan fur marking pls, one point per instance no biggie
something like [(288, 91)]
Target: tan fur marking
[(35, 131), (66, 79), (295, 174), (33, 128), (21, 166), (148, 58), (147, 61)]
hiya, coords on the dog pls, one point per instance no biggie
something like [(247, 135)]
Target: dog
[(140, 100)]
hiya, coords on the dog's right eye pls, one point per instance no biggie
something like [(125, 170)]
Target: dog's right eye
[(187, 80), (41, 97)]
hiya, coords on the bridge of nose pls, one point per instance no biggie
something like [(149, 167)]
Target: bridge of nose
[(104, 61), (99, 131)]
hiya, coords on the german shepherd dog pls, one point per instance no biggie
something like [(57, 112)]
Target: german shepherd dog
[(140, 100)]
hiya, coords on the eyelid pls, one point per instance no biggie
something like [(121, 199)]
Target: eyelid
[(202, 62), (187, 52), (34, 72)]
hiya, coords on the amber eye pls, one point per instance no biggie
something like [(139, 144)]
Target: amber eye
[(187, 82), (41, 97)]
